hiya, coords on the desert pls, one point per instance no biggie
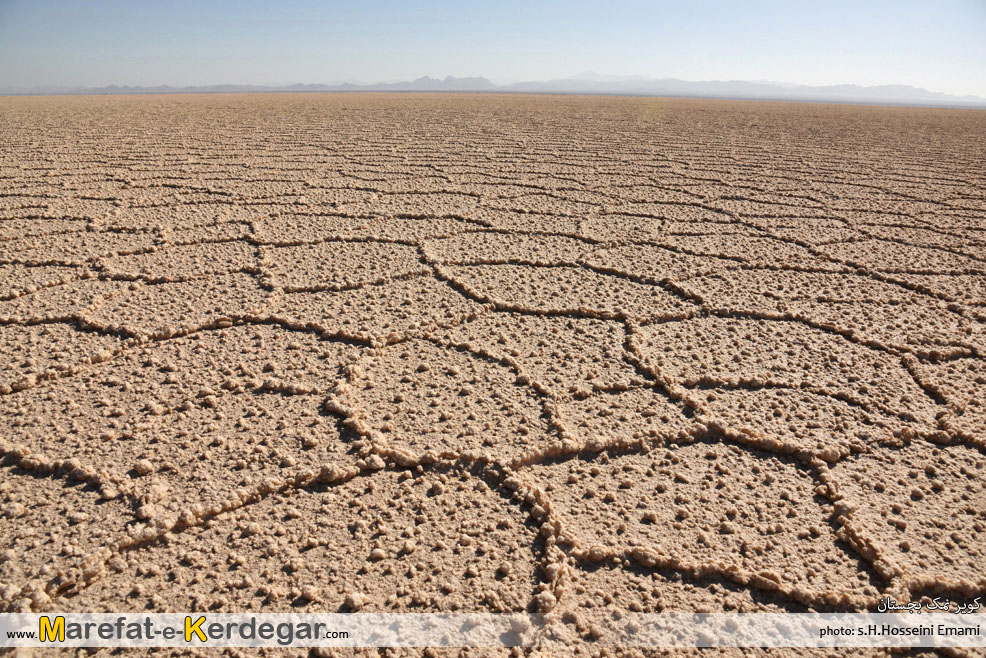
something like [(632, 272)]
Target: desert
[(571, 355)]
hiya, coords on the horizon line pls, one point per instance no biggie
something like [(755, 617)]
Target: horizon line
[(585, 83), (978, 104)]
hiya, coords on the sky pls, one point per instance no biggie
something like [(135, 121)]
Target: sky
[(938, 45)]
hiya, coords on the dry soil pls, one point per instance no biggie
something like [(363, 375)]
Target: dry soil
[(489, 353)]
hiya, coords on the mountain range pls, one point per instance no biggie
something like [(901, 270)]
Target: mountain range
[(585, 83)]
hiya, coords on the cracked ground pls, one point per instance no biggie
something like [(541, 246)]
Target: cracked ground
[(489, 353)]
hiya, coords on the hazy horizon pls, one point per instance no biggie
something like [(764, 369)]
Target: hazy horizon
[(68, 44)]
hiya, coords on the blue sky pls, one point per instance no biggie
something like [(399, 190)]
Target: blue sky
[(939, 45)]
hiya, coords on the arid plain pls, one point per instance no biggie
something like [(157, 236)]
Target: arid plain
[(489, 353)]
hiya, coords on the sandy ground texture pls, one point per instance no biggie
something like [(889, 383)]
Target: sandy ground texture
[(489, 353)]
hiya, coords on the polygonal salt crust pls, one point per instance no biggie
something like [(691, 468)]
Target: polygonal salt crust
[(565, 290), (51, 524), (920, 510), (437, 204), (964, 288), (736, 289), (752, 208), (92, 209), (656, 263), (483, 189), (706, 508), (885, 256), (156, 217), (340, 265), (377, 313), (200, 459), (223, 232), (618, 228), (175, 218), (617, 418), (67, 302), (295, 229), (233, 358), (38, 351), (234, 416), (564, 355), (597, 593), (926, 328), (586, 196), (760, 251), (12, 229), (519, 221), (321, 198), (960, 383), (74, 248), (713, 351), (677, 212), (419, 398), (792, 421), (162, 310), (16, 280), (540, 203), (871, 310), (207, 455), (183, 262), (975, 251), (708, 228), (414, 229), (608, 624), (954, 219), (433, 542), (207, 410), (261, 186), (26, 205), (486, 247), (649, 193), (818, 235), (919, 236), (805, 227)]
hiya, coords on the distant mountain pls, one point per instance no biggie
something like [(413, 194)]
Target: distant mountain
[(421, 84), (588, 83), (591, 83), (450, 83)]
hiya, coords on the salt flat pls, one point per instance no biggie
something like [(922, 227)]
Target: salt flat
[(489, 353)]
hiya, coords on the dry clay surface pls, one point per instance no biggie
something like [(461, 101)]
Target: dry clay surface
[(482, 353)]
